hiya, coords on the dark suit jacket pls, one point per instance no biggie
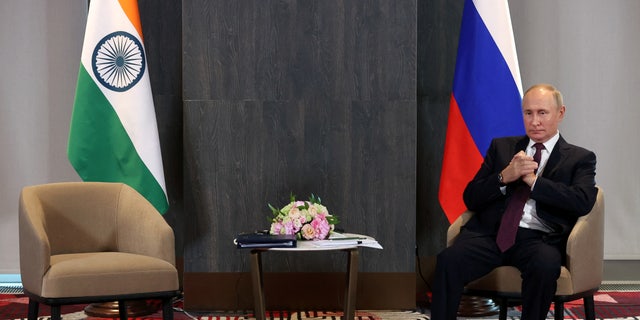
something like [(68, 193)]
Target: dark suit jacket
[(565, 190)]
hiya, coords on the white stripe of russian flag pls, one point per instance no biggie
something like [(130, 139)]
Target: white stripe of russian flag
[(501, 30)]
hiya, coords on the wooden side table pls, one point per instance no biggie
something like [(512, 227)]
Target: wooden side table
[(303, 246)]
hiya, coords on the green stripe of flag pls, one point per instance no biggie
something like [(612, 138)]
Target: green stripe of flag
[(100, 149)]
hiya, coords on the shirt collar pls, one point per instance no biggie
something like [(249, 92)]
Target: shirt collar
[(549, 144)]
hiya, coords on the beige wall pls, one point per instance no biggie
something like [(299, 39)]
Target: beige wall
[(589, 49), (40, 44)]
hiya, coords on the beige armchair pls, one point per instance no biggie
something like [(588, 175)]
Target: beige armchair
[(580, 278), (88, 242)]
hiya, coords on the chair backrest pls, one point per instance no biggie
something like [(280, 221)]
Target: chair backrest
[(74, 216)]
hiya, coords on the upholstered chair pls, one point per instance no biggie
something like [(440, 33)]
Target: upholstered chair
[(580, 278), (92, 242)]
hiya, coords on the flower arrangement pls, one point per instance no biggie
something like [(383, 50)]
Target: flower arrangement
[(308, 220)]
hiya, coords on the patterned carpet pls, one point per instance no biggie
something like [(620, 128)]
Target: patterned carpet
[(14, 306), (314, 315), (621, 304)]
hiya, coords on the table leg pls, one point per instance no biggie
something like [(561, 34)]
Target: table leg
[(352, 285), (258, 286)]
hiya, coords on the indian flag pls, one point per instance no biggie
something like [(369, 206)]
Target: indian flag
[(114, 135)]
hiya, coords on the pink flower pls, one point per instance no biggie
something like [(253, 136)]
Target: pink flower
[(321, 226), (290, 227), (276, 228), (308, 232)]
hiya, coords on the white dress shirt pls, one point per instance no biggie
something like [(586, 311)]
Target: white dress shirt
[(530, 219)]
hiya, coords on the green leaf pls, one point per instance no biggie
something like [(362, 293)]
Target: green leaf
[(314, 199), (274, 210)]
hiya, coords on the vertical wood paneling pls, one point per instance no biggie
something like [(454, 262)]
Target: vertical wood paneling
[(306, 150), (438, 32), (274, 50), (304, 97)]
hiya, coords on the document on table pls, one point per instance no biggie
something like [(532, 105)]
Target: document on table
[(347, 239)]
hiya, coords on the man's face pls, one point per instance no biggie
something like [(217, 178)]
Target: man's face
[(541, 114)]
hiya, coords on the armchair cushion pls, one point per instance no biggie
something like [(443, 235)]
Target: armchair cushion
[(109, 273)]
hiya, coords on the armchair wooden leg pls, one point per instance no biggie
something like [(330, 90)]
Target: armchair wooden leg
[(558, 310), (167, 309), (55, 312), (504, 307), (122, 310), (589, 308), (33, 309)]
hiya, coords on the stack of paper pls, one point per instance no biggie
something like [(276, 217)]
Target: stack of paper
[(346, 239)]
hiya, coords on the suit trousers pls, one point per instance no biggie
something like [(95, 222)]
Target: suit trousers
[(473, 255)]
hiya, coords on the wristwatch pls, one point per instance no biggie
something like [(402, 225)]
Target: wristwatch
[(501, 180)]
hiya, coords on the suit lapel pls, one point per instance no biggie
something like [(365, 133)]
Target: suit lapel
[(558, 155)]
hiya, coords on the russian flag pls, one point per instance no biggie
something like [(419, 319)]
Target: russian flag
[(486, 97)]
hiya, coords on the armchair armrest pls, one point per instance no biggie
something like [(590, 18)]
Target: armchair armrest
[(35, 249), (454, 228), (141, 228), (585, 248)]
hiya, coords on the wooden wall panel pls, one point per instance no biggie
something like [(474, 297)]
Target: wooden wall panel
[(376, 291), (438, 32), (343, 99), (242, 155), (303, 97), (280, 50)]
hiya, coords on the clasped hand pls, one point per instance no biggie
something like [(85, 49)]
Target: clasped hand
[(522, 167)]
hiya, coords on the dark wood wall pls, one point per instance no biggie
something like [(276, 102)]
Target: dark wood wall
[(438, 32), (344, 99)]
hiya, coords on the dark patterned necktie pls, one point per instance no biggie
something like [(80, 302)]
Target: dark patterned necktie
[(512, 215)]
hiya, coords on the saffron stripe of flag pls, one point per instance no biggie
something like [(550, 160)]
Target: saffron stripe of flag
[(486, 97), (113, 135)]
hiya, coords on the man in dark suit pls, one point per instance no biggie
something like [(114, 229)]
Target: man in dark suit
[(557, 191)]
